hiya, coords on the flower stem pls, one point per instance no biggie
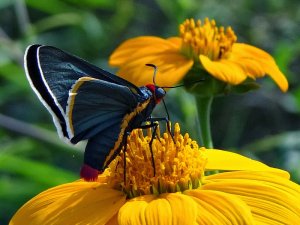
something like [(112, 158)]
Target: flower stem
[(204, 108)]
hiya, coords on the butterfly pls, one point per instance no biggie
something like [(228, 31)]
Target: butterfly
[(89, 103)]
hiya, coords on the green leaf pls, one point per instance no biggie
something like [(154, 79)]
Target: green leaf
[(58, 20), (53, 6), (15, 74), (35, 171), (178, 10), (284, 54), (5, 3), (244, 87), (16, 146), (18, 188), (104, 4)]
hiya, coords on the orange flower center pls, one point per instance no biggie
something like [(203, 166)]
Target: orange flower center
[(179, 164), (206, 39)]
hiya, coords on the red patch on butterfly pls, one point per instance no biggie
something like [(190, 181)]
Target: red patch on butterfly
[(88, 173), (153, 88)]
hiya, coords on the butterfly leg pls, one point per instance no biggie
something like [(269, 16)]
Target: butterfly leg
[(124, 154), (153, 124), (153, 119)]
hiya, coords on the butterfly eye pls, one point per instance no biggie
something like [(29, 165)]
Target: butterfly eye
[(159, 93)]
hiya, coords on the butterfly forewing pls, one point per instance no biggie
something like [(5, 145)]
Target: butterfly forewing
[(39, 85), (52, 73)]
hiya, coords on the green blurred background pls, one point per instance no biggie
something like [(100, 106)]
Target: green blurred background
[(264, 124)]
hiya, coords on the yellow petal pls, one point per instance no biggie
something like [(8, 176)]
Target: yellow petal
[(184, 209), (267, 177), (73, 203), (132, 55), (225, 160), (165, 209), (171, 68), (220, 208), (266, 61), (251, 67), (149, 44), (224, 70), (113, 220), (176, 41), (272, 199), (267, 212), (133, 211)]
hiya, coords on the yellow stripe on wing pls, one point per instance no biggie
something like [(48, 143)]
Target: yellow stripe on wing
[(127, 118), (70, 105)]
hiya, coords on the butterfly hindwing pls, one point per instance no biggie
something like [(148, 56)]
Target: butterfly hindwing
[(99, 152), (96, 111), (95, 105)]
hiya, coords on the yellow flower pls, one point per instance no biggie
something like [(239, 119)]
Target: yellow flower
[(200, 45), (180, 193)]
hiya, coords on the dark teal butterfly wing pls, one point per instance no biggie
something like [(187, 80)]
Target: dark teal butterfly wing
[(95, 105), (52, 72), (96, 111)]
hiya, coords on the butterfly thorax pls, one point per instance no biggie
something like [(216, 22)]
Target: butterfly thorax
[(145, 106), (157, 92)]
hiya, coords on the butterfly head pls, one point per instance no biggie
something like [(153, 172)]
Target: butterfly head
[(158, 92)]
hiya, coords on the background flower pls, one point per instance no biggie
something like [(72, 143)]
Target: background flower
[(202, 45)]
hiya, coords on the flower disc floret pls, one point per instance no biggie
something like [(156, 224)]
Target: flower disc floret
[(206, 39), (179, 164)]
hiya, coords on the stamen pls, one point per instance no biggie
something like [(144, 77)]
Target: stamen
[(179, 166), (206, 39)]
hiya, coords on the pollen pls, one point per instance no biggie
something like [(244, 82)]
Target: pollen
[(206, 39), (179, 164)]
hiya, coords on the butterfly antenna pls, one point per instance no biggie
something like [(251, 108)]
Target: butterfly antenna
[(166, 109), (182, 85), (155, 70), (168, 121)]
